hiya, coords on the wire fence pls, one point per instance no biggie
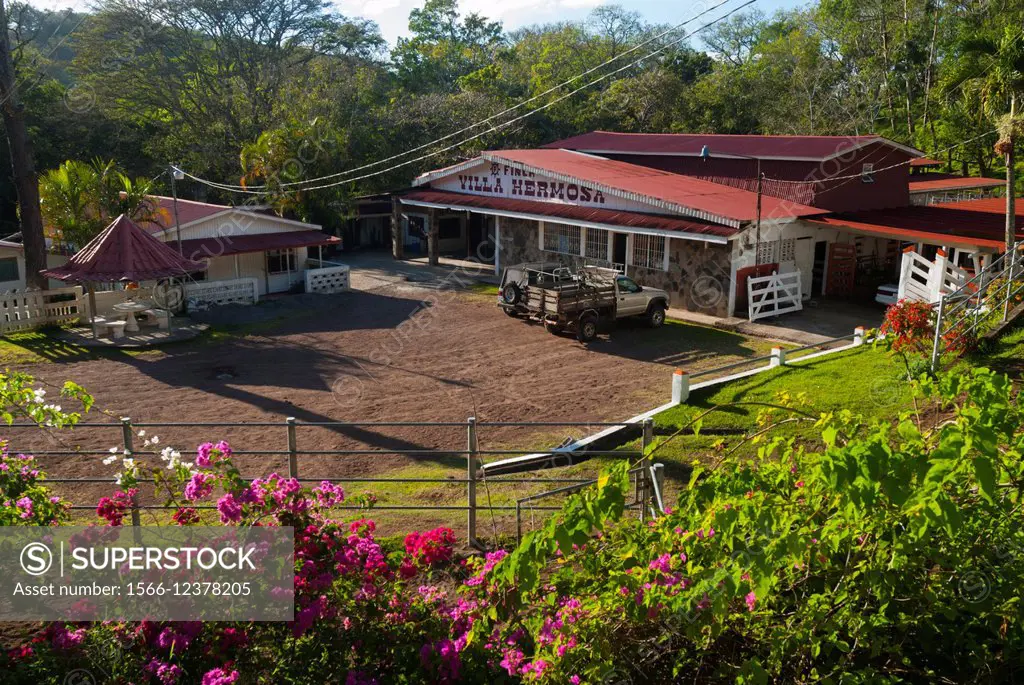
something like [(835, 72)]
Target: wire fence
[(461, 463)]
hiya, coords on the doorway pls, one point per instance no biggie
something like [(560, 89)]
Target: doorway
[(619, 248), (818, 268)]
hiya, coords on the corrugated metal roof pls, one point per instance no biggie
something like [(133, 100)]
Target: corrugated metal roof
[(559, 210), (974, 222), (123, 252), (923, 183), (814, 148), (672, 192), (925, 161), (203, 248)]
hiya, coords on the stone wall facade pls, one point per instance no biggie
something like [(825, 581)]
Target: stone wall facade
[(698, 278)]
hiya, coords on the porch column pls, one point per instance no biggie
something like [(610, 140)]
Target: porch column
[(433, 231), (464, 228), (497, 245), (397, 241)]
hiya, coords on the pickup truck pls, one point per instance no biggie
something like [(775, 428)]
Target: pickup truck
[(577, 300)]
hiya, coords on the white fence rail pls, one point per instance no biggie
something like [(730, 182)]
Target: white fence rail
[(924, 281), (234, 291), (22, 310), (328, 279), (774, 295)]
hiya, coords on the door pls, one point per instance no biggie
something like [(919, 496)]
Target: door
[(631, 300), (619, 249)]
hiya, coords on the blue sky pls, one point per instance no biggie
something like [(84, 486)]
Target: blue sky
[(393, 15)]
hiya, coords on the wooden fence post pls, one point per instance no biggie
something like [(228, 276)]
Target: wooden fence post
[(293, 456), (472, 449), (128, 438)]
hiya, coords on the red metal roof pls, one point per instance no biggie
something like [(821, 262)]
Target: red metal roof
[(974, 222), (123, 252), (923, 183), (815, 148), (672, 192), (204, 248), (571, 212), (925, 161)]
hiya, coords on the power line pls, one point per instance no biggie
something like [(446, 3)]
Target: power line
[(492, 129), (226, 186)]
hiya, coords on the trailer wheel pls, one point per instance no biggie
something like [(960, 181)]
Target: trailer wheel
[(656, 315), (511, 312), (586, 328), (511, 293)]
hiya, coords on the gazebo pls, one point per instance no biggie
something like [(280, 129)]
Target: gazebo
[(122, 252)]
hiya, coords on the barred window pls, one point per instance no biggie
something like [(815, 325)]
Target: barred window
[(649, 251), (788, 247), (562, 239), (597, 244)]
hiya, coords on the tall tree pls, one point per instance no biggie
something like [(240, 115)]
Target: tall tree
[(991, 65), (22, 161)]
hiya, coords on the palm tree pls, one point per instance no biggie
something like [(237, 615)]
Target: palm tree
[(991, 68), (79, 199)]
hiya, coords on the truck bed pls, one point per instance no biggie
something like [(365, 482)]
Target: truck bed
[(567, 300)]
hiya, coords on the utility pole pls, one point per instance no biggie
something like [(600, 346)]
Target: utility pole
[(176, 175), (22, 163), (757, 248)]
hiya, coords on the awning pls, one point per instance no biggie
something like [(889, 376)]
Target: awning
[(223, 246), (974, 223), (636, 222)]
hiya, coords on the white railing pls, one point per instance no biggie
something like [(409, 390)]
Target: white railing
[(774, 295), (328, 279), (22, 310), (924, 281), (233, 291)]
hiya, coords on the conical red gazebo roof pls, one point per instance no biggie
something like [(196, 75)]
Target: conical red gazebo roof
[(123, 252)]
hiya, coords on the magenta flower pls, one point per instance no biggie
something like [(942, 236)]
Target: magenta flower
[(750, 599), (229, 508), (219, 676), (198, 487)]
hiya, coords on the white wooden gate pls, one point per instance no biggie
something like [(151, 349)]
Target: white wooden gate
[(924, 281), (774, 295)]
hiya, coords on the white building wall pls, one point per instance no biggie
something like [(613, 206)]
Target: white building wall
[(236, 223), (254, 265)]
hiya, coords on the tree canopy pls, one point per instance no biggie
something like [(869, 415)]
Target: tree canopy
[(231, 89)]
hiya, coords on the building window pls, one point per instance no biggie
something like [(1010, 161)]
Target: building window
[(597, 244), (9, 269), (649, 251), (766, 253), (787, 250), (280, 261), (562, 238), (867, 173)]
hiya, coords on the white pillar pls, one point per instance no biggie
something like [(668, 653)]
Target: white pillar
[(858, 335), (680, 386), (497, 245), (778, 357)]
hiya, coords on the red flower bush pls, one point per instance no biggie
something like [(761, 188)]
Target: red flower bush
[(909, 326), (430, 548)]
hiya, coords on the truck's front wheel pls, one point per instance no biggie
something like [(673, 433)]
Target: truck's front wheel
[(586, 328), (656, 315)]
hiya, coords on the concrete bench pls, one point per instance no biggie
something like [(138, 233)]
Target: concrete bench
[(114, 326), (161, 317)]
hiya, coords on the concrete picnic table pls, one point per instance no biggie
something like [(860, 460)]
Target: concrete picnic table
[(129, 308)]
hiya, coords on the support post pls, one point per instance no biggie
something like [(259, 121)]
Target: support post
[(778, 357), (858, 335), (1012, 255), (937, 343), (397, 239), (680, 386), (129, 449), (433, 237), (659, 487), (471, 468), (293, 452)]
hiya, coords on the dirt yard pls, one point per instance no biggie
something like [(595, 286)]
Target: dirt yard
[(391, 350)]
